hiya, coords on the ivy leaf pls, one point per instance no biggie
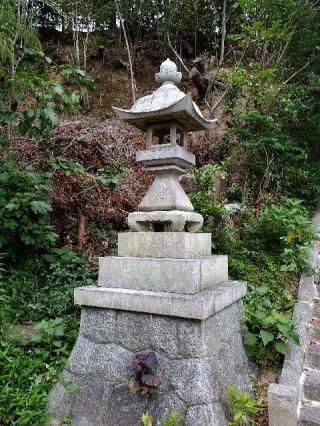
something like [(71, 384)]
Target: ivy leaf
[(282, 348), (266, 337)]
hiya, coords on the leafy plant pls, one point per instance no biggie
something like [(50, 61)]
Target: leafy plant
[(24, 209), (49, 332), (146, 419), (269, 330), (173, 420), (242, 406), (144, 378), (286, 231), (109, 175), (67, 165)]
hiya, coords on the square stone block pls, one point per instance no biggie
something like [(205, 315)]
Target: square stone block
[(171, 275), (173, 245)]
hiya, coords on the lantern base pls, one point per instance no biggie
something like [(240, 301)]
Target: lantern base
[(166, 221)]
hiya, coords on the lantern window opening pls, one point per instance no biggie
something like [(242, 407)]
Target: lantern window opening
[(166, 134)]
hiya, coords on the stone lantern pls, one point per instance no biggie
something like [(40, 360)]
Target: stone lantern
[(167, 116), (164, 296)]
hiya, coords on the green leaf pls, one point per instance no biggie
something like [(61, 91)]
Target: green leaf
[(282, 348), (284, 329), (294, 337), (266, 336), (250, 339)]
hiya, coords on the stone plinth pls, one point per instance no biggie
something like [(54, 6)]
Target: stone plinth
[(172, 245), (183, 309), (198, 359), (168, 275)]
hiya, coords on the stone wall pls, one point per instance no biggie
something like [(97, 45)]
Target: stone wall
[(197, 361), (289, 403)]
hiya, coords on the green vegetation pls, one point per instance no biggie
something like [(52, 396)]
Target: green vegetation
[(172, 420), (242, 406)]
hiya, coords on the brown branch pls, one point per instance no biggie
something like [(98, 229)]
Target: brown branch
[(218, 102), (176, 53), (128, 51), (301, 69)]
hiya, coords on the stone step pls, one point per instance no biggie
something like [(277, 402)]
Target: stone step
[(314, 332), (169, 275), (172, 245), (313, 356), (311, 386), (201, 305), (309, 414), (316, 308)]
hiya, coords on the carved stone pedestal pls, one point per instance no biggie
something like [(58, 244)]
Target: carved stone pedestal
[(183, 308)]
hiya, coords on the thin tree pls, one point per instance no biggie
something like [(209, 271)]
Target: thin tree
[(128, 50), (223, 31)]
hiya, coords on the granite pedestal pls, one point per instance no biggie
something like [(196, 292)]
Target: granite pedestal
[(177, 303)]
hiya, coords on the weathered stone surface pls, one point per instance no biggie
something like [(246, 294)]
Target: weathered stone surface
[(98, 325), (190, 369), (111, 362), (309, 414), (292, 366), (313, 357), (124, 409), (162, 404), (172, 221), (133, 331), (233, 355), (201, 415), (282, 405), (93, 394), (172, 245), (311, 385), (81, 360), (307, 288), (166, 103), (198, 306), (182, 338), (165, 154), (62, 395), (314, 332), (194, 381), (165, 192), (170, 275)]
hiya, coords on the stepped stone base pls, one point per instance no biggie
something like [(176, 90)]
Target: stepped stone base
[(171, 245), (197, 361), (168, 275)]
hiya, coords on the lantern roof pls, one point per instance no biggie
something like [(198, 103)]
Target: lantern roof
[(166, 104)]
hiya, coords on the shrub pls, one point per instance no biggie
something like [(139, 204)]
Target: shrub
[(241, 406), (283, 230), (24, 210)]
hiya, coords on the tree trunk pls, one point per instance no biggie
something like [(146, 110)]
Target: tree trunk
[(81, 230), (128, 51), (223, 31)]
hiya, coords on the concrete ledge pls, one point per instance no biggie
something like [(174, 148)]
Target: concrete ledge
[(172, 245), (170, 275), (196, 306), (282, 405)]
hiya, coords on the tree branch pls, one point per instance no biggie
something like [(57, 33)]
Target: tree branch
[(301, 69), (176, 53), (128, 50)]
